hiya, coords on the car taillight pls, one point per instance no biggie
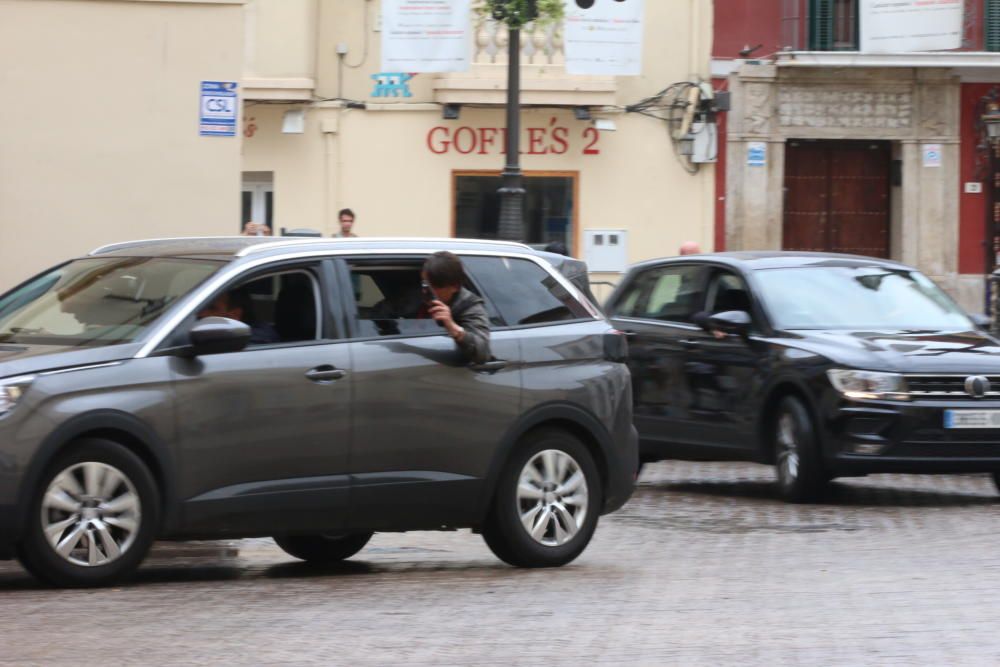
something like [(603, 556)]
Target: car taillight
[(616, 346)]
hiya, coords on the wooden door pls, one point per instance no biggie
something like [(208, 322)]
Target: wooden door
[(837, 197)]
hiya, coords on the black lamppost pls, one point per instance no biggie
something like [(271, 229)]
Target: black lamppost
[(511, 223), (513, 13)]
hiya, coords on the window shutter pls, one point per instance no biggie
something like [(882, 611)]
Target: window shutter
[(992, 25), (820, 25)]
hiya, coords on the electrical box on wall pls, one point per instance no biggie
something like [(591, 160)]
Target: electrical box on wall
[(605, 250)]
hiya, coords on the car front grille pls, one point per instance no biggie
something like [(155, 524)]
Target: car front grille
[(948, 387)]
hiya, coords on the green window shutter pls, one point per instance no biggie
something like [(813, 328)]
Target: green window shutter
[(992, 25), (820, 25)]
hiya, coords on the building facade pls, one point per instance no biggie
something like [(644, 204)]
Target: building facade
[(831, 147), (325, 129), (99, 125)]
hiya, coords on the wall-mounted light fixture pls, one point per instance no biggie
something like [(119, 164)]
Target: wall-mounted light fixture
[(581, 113), (451, 111), (991, 121)]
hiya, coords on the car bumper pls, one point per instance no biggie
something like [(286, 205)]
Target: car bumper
[(909, 437), (622, 471), (7, 531)]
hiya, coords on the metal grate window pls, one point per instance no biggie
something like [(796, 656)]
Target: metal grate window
[(992, 25), (833, 25)]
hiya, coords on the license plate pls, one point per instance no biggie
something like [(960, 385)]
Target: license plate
[(972, 418)]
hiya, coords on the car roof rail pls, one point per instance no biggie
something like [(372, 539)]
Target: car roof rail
[(306, 241)]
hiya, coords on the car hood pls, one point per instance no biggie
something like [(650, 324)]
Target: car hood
[(909, 351), (18, 359)]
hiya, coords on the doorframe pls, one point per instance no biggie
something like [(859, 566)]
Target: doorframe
[(574, 220)]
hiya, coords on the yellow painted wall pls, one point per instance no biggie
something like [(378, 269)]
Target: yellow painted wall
[(99, 125)]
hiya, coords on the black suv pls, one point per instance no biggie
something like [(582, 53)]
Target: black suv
[(331, 411), (824, 365)]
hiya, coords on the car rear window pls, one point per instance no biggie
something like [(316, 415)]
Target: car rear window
[(524, 292)]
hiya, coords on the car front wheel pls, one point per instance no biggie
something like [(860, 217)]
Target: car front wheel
[(547, 502), (322, 549), (797, 460), (93, 517)]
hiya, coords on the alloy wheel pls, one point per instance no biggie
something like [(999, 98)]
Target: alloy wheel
[(552, 497), (788, 450), (91, 514)]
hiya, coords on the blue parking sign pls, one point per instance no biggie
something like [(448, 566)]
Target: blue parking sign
[(219, 108)]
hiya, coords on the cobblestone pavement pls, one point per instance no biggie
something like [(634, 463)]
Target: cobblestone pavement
[(703, 567)]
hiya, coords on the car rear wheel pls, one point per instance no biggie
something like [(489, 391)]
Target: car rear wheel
[(547, 502), (323, 548), (93, 517), (797, 460)]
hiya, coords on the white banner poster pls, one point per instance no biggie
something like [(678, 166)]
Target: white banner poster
[(604, 37), (426, 35), (894, 26)]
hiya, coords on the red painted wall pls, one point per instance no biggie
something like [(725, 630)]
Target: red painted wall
[(972, 207), (739, 23)]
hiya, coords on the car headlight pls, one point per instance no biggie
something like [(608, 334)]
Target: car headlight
[(11, 391), (868, 384)]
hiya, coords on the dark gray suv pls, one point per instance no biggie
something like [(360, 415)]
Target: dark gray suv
[(129, 413)]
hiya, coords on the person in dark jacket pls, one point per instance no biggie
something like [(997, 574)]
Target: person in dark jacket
[(459, 311)]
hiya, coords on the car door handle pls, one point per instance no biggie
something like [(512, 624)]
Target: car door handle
[(690, 344), (325, 374), (489, 366)]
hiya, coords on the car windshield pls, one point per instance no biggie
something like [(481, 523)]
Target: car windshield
[(98, 301), (857, 297)]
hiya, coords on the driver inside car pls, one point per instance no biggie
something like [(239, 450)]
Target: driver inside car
[(237, 305)]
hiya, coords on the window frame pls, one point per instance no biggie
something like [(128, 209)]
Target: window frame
[(705, 274), (327, 330), (823, 16), (349, 305), (551, 270)]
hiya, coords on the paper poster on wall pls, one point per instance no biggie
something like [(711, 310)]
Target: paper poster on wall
[(426, 35), (932, 155), (911, 25), (604, 37), (757, 154)]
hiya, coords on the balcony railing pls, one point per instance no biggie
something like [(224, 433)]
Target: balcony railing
[(544, 79)]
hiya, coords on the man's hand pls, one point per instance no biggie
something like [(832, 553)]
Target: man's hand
[(442, 315)]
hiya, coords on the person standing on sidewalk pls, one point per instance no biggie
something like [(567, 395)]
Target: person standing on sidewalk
[(346, 219)]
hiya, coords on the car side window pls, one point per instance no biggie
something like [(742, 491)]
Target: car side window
[(389, 300), (280, 307), (728, 292), (524, 292), (669, 293)]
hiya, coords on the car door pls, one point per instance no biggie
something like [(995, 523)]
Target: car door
[(723, 372), (426, 424), (656, 307), (265, 433)]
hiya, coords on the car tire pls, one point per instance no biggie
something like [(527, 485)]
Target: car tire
[(323, 549), (797, 459), (551, 484), (92, 518)]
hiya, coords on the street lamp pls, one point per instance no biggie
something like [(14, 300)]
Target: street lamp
[(514, 13)]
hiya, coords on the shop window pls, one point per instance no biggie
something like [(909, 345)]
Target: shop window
[(833, 25), (548, 208), (992, 27)]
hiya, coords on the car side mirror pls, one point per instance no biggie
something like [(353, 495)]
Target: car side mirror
[(215, 335), (982, 322), (731, 322)]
